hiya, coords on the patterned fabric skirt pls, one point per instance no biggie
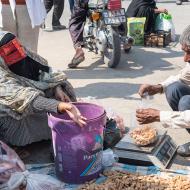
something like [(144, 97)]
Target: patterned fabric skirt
[(30, 129)]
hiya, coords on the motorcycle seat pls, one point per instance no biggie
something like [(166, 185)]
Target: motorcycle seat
[(93, 4)]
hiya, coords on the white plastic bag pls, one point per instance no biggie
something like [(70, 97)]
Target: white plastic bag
[(33, 181), (9, 163), (109, 158), (164, 22), (14, 175)]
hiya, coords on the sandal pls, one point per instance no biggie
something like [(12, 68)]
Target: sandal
[(184, 150), (76, 61)]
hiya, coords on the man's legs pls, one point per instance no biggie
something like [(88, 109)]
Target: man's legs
[(178, 97), (57, 13), (26, 33), (76, 26), (175, 92), (22, 29), (48, 5), (184, 103), (71, 4)]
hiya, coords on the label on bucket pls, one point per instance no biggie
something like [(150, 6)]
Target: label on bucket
[(95, 163)]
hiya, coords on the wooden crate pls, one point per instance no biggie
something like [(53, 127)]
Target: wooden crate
[(158, 39)]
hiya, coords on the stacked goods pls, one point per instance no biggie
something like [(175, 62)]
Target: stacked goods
[(158, 39), (117, 180), (144, 135)]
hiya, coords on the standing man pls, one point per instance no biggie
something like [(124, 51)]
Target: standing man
[(177, 90), (76, 26), (23, 18), (57, 12)]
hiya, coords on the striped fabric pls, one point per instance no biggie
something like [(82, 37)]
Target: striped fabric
[(30, 129)]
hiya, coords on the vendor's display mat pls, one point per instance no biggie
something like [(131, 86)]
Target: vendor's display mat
[(49, 170)]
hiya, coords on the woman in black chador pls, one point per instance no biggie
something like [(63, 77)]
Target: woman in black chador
[(145, 8)]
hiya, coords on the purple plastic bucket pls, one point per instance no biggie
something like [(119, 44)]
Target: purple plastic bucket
[(78, 151)]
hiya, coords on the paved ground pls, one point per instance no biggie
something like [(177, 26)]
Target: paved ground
[(115, 88)]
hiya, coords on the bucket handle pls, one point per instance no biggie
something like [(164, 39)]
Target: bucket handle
[(51, 125), (49, 122)]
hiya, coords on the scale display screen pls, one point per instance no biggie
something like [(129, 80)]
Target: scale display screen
[(166, 151)]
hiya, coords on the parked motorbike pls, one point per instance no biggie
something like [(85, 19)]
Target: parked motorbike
[(104, 30)]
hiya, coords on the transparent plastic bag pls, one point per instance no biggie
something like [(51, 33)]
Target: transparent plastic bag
[(14, 174), (143, 135), (9, 162), (146, 101)]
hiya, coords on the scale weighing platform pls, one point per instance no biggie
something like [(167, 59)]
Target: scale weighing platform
[(159, 154)]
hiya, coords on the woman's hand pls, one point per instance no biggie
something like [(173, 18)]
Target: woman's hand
[(162, 10), (60, 95), (73, 113), (150, 89), (149, 115)]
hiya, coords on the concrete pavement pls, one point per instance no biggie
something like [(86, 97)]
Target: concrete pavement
[(117, 88)]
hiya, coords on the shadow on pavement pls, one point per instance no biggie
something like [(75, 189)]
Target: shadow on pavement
[(101, 90), (139, 62)]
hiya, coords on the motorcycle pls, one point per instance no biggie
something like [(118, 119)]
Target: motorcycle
[(104, 30)]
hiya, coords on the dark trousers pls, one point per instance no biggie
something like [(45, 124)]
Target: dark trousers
[(77, 21), (71, 4), (57, 11), (178, 96)]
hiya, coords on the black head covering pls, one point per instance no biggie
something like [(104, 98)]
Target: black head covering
[(7, 38), (135, 5), (27, 67)]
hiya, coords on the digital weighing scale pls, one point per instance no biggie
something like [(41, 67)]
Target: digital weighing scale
[(159, 154)]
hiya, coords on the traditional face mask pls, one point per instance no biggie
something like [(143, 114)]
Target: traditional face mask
[(12, 52)]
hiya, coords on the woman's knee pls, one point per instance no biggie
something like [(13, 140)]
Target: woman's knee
[(184, 103)]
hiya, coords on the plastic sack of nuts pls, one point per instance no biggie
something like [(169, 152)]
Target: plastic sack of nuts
[(144, 136), (14, 176)]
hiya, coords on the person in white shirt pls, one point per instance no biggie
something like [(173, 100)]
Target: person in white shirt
[(23, 18), (177, 91)]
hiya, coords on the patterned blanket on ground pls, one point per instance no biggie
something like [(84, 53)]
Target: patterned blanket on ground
[(49, 170)]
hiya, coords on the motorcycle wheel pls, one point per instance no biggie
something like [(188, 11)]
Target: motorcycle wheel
[(112, 54)]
